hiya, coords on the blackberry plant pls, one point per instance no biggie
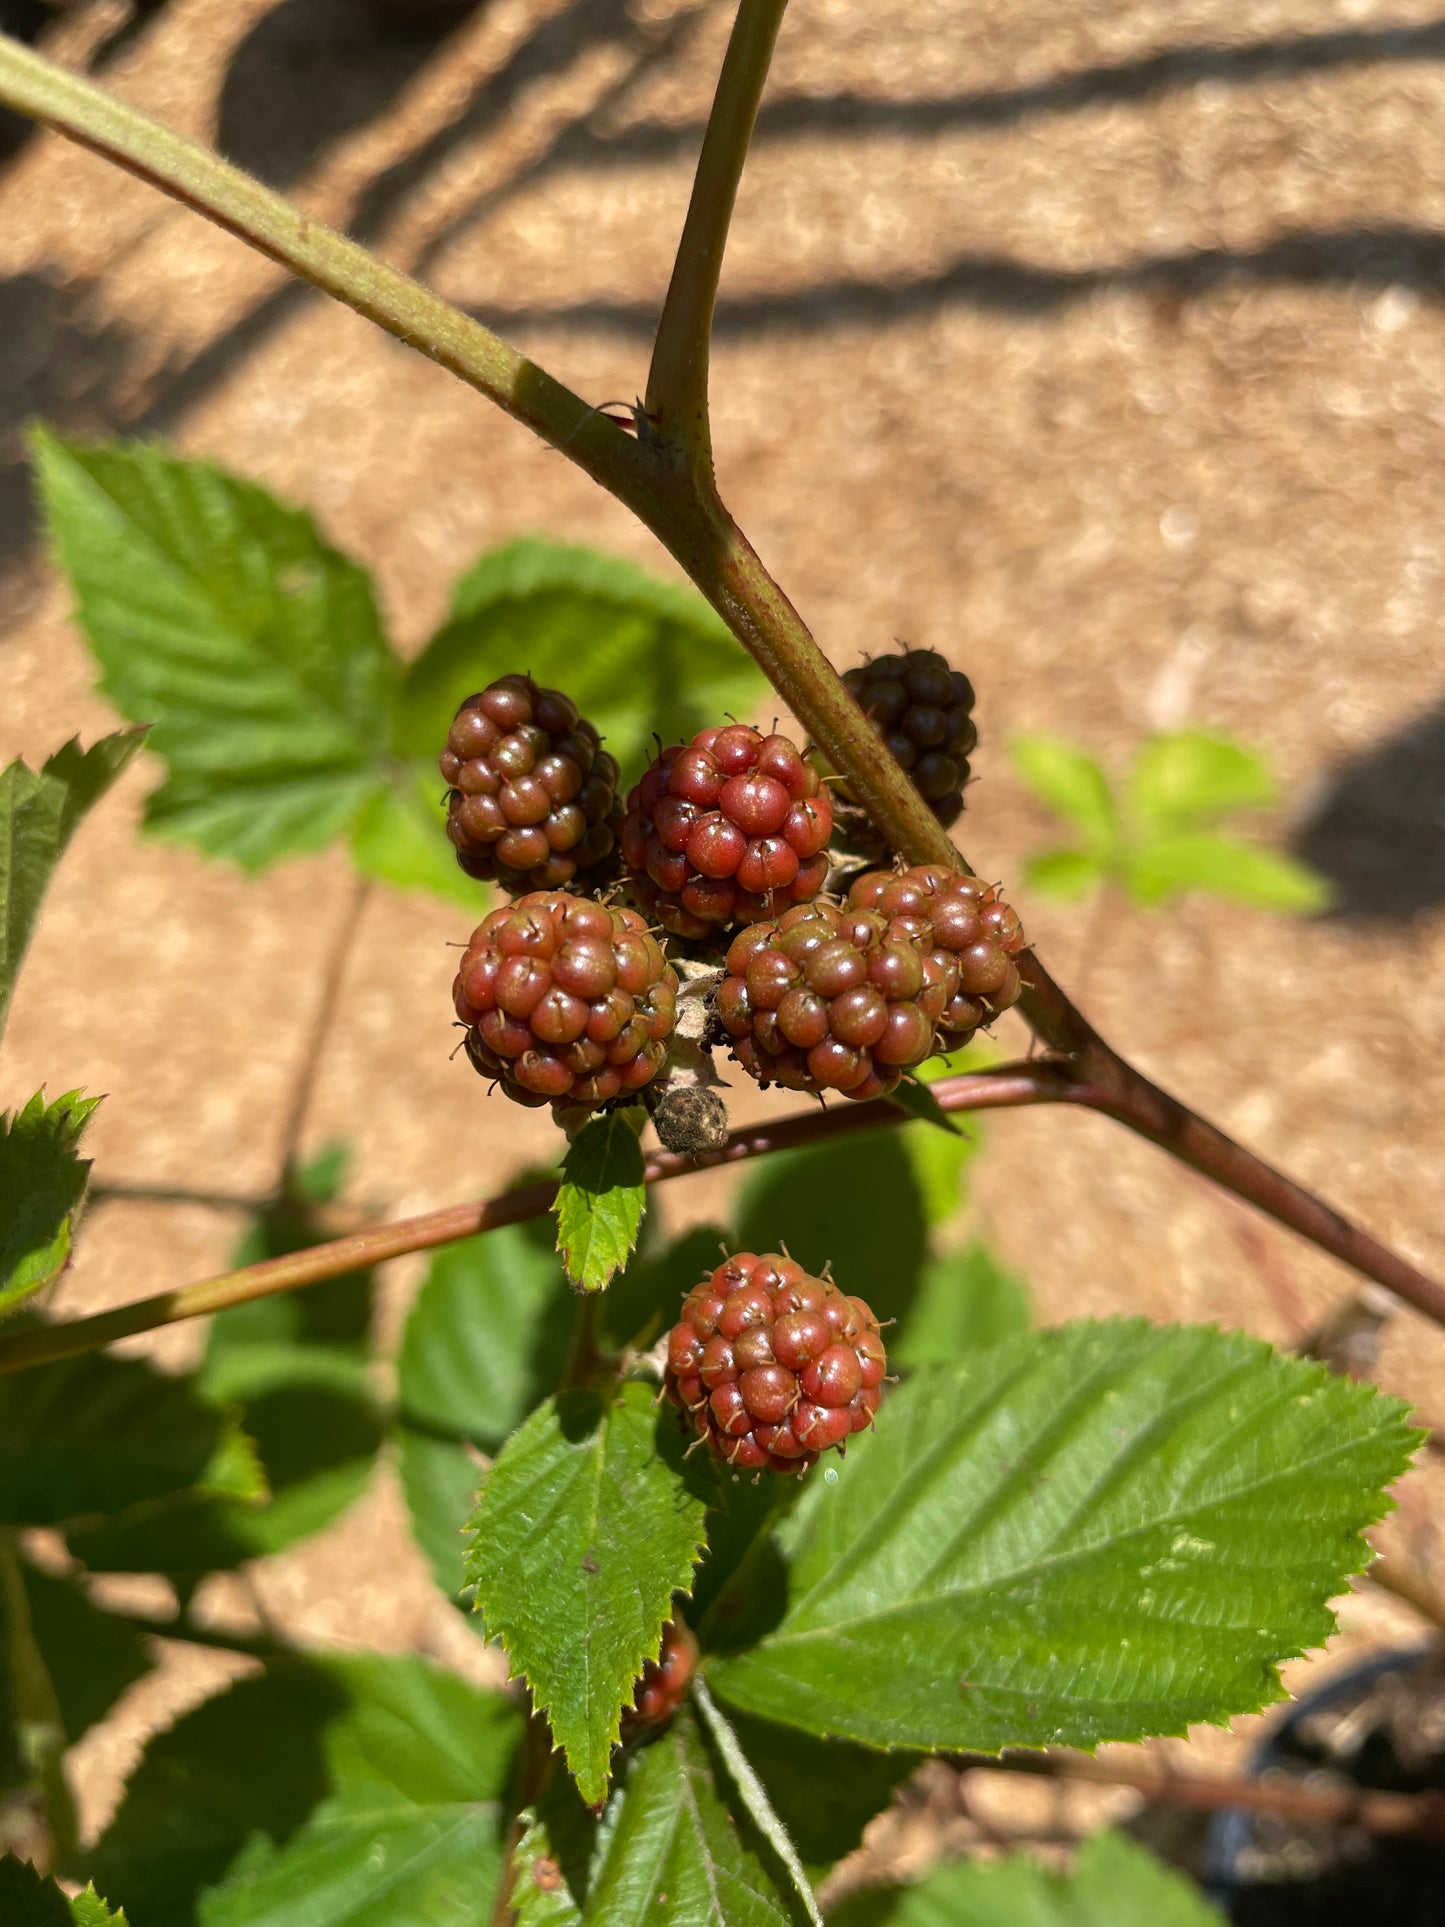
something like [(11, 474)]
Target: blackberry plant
[(725, 1649)]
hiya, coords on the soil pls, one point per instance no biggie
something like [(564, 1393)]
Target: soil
[(1101, 347)]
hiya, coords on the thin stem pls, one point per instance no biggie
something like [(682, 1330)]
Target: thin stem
[(1418, 1815), (37, 87), (42, 1344), (328, 999), (677, 383)]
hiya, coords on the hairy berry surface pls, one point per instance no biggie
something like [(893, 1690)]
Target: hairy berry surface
[(664, 1680), (970, 933), (730, 828), (565, 1000), (773, 1366), (533, 803)]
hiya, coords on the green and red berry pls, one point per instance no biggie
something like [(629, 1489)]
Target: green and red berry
[(773, 1366), (730, 828), (565, 1000)]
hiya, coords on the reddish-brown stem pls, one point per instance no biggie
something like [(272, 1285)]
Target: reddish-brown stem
[(41, 1344), (1421, 1815)]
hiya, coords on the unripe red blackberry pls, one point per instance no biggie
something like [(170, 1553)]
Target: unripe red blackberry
[(533, 802), (664, 1680), (566, 1001), (971, 934), (773, 1366), (730, 828), (923, 710), (829, 998)]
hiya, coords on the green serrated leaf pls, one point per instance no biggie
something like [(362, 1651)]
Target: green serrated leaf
[(541, 1894), (355, 1792), (1113, 1883), (855, 1202), (585, 1530), (1065, 874), (1092, 1533), (487, 1334), (1072, 784), (399, 837), (968, 1302), (27, 1900), (601, 1198), (1241, 872), (635, 654), (1188, 778), (39, 812), (95, 1435), (749, 1789), (679, 1850), (222, 618), (41, 1182)]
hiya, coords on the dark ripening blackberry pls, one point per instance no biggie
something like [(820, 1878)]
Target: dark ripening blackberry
[(730, 828), (664, 1681), (772, 1366), (967, 929), (533, 803), (923, 710), (566, 1001)]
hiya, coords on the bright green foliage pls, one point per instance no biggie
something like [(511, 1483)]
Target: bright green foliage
[(585, 1530), (855, 1203), (295, 1369), (753, 1796), (326, 1793), (1113, 1883), (602, 1198), (26, 1900), (968, 1301), (39, 811), (223, 619), (679, 1847), (1092, 1533), (100, 1435), (486, 1338), (399, 837), (1156, 838), (635, 654), (41, 1182)]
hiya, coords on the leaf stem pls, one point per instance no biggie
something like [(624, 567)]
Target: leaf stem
[(42, 1344), (677, 382)]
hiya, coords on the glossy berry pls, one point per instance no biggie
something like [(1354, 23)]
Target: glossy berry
[(971, 934), (533, 803), (773, 1366), (830, 999), (566, 1001), (730, 828), (664, 1680), (923, 710)]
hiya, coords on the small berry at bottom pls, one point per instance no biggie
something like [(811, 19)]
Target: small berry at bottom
[(664, 1680), (566, 1001), (773, 1366), (533, 803)]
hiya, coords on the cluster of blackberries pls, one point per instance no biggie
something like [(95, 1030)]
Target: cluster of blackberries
[(773, 1366), (846, 998)]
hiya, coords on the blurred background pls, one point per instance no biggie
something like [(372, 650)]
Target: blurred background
[(1098, 346)]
